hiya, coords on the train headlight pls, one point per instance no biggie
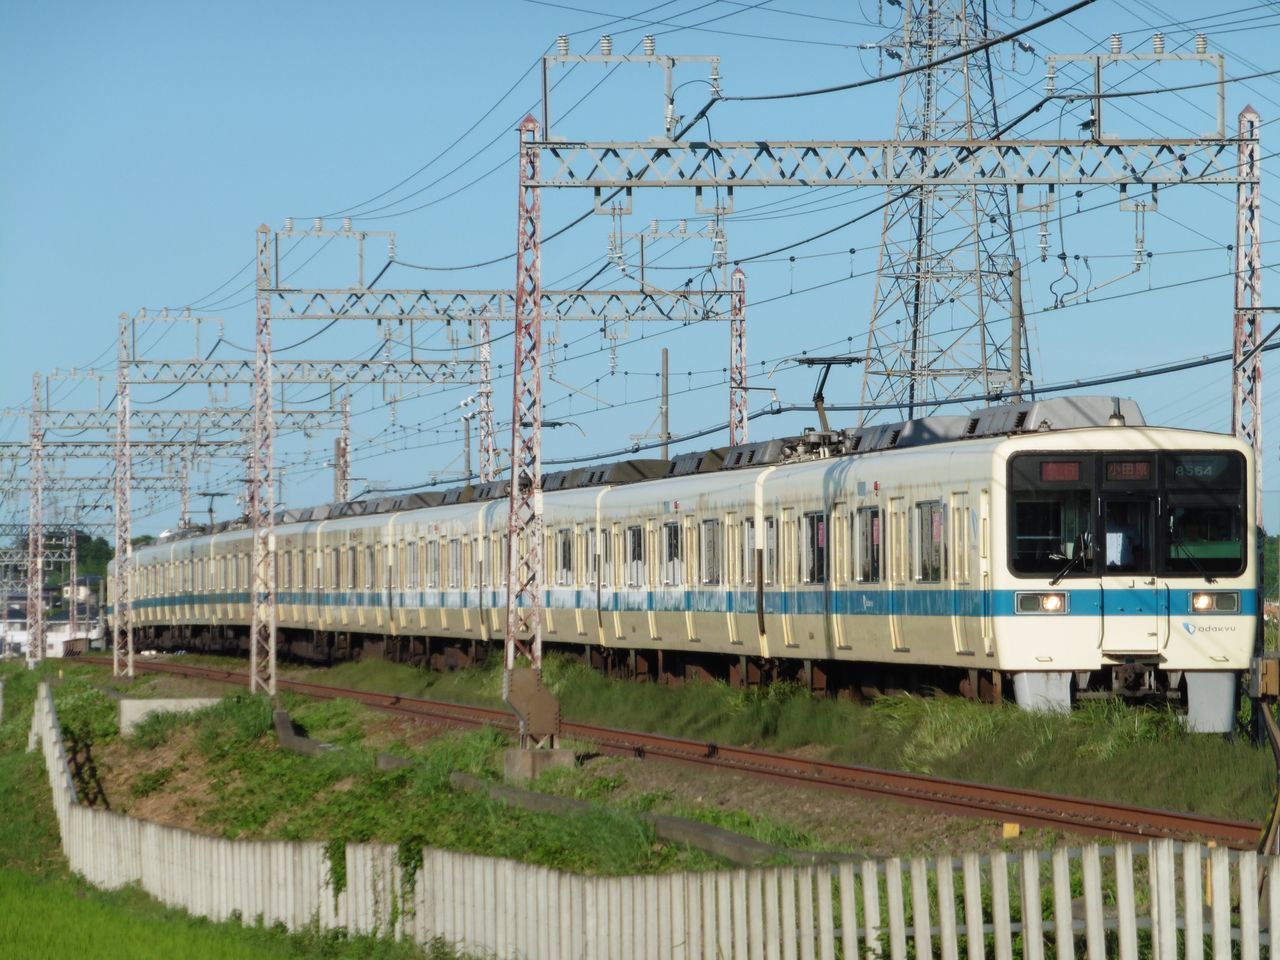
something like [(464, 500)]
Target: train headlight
[(1215, 601), (1041, 603)]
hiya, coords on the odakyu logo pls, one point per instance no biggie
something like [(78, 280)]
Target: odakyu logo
[(1194, 628)]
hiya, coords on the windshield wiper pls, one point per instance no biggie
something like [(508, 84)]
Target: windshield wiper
[(1079, 555), (1180, 545), (1065, 570)]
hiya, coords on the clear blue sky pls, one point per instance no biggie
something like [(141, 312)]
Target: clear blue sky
[(146, 141)]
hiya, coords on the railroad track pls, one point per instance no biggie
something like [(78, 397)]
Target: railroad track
[(1025, 807)]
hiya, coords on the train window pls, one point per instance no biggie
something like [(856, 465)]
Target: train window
[(635, 557), (930, 557), (1205, 535), (606, 557), (370, 565), (563, 556), (748, 552), (413, 560), (672, 555), (867, 540), (813, 527), (286, 572), (455, 565), (432, 578), (1050, 515), (709, 551), (302, 570), (770, 551), (352, 573)]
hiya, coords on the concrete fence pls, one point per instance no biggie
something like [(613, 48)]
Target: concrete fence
[(1161, 899)]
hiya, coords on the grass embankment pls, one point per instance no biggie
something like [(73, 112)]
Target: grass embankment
[(220, 771), (47, 912), (1102, 750)]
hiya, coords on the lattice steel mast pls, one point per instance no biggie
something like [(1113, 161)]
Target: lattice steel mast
[(261, 493), (1246, 371), (122, 575), (35, 534), (940, 323)]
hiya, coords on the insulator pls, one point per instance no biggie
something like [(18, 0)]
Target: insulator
[(1117, 44), (317, 224), (683, 227), (1157, 42), (1202, 43), (650, 45), (391, 247), (1049, 79), (562, 45), (288, 224), (346, 224), (606, 45), (715, 76), (1044, 241), (653, 227)]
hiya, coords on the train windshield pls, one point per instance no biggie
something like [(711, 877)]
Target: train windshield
[(1092, 514)]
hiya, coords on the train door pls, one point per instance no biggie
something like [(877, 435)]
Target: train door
[(984, 570), (838, 558), (732, 576), (787, 574), (585, 571), (1135, 602), (899, 570), (966, 603)]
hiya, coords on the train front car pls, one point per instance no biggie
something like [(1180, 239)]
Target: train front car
[(1130, 568)]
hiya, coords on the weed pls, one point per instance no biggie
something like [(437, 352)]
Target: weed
[(149, 782)]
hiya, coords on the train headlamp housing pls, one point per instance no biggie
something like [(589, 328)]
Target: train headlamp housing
[(1215, 601), (1041, 603)]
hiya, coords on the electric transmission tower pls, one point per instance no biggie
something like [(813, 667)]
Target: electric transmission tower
[(942, 321)]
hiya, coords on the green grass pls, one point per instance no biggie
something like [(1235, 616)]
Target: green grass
[(259, 791), (128, 925), (125, 924), (1093, 752)]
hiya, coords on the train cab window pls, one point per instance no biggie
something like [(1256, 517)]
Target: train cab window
[(635, 557), (709, 551), (564, 557), (1051, 498), (866, 539), (1128, 525), (1204, 514), (672, 554), (930, 557), (813, 552)]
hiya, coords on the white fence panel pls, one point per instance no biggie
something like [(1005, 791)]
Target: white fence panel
[(863, 911)]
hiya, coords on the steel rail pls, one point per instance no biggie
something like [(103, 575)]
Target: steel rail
[(1025, 807)]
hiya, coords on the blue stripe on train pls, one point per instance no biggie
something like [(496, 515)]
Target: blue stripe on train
[(915, 602)]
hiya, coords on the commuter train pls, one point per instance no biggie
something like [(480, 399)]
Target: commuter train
[(1050, 550)]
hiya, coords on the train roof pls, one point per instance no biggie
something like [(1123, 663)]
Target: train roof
[(1001, 420)]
